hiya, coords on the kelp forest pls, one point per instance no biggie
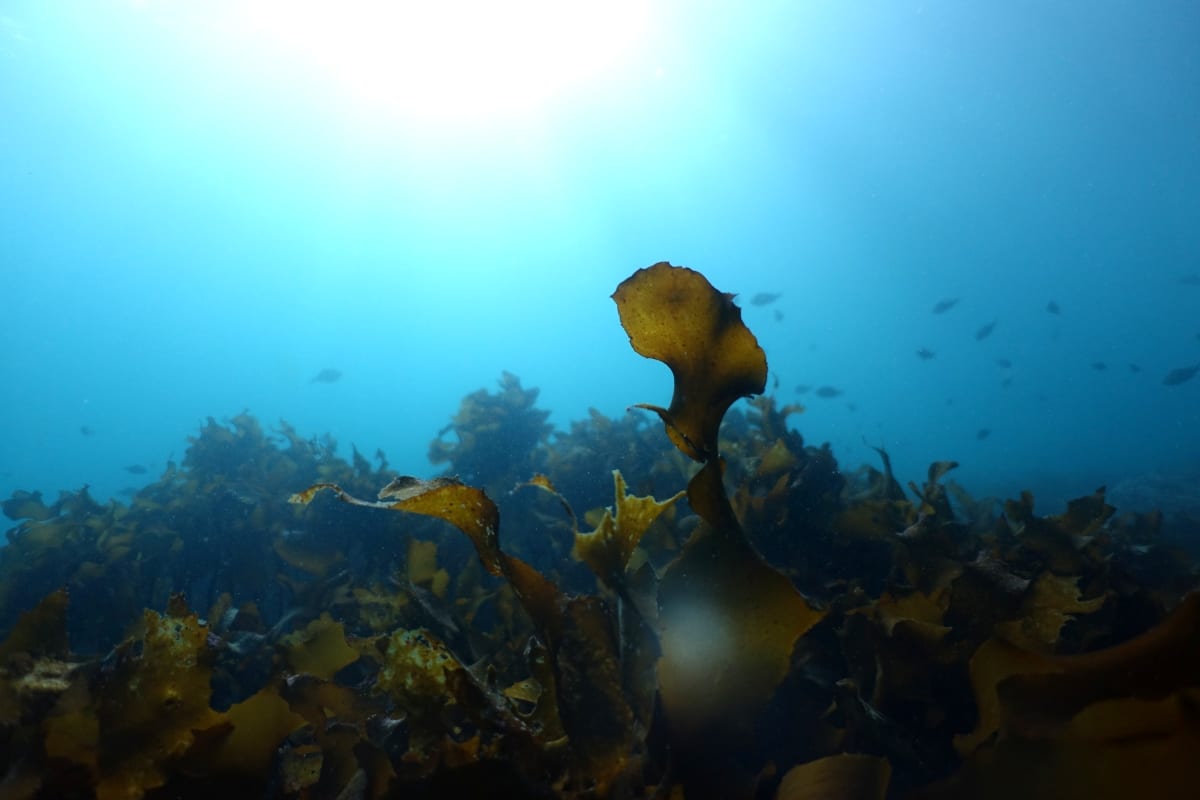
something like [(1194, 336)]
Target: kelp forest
[(689, 602)]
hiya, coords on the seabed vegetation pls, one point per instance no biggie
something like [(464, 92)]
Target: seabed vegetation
[(729, 615)]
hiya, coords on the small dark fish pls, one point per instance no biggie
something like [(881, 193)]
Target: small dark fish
[(85, 430), (1190, 280), (1181, 375), (327, 375), (1052, 307), (136, 469), (1099, 366), (925, 354), (1003, 363), (983, 433), (802, 388), (829, 391), (765, 298), (851, 407), (942, 306), (985, 331), (1007, 382), (1134, 368), (778, 315)]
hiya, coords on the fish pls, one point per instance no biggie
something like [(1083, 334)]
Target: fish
[(1180, 375), (1007, 382), (1003, 363), (942, 306), (765, 298), (829, 391), (1052, 307), (802, 388), (1134, 368), (85, 430), (1099, 366), (1190, 280), (983, 433), (327, 375), (136, 469), (985, 331), (851, 407), (925, 354), (778, 315)]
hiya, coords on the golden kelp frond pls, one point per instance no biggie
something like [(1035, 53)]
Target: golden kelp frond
[(849, 776), (1111, 750), (318, 564), (777, 459), (727, 619), (674, 315), (41, 631), (1018, 690), (728, 625), (420, 672), (1085, 515), (305, 497), (437, 693), (465, 507), (27, 505), (256, 727), (320, 649), (542, 482), (423, 569), (148, 710), (933, 495), (1050, 603), (607, 549)]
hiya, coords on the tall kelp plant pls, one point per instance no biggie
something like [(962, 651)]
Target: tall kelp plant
[(725, 622), (728, 621)]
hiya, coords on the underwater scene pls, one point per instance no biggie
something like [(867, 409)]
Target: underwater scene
[(641, 399)]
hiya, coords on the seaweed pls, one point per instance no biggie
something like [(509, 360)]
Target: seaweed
[(729, 614)]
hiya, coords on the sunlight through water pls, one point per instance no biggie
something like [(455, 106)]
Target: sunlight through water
[(458, 59)]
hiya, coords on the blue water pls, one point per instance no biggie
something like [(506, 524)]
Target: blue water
[(196, 219)]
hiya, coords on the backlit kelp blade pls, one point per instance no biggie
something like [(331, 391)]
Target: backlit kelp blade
[(674, 315), (1118, 722), (728, 620)]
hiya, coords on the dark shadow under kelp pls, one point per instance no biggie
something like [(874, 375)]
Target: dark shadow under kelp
[(769, 627)]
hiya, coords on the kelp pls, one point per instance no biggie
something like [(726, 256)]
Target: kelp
[(772, 625), (497, 437)]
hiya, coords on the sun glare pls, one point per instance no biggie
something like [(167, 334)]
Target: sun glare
[(451, 58)]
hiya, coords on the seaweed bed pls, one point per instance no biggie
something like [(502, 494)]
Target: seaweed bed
[(770, 627)]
